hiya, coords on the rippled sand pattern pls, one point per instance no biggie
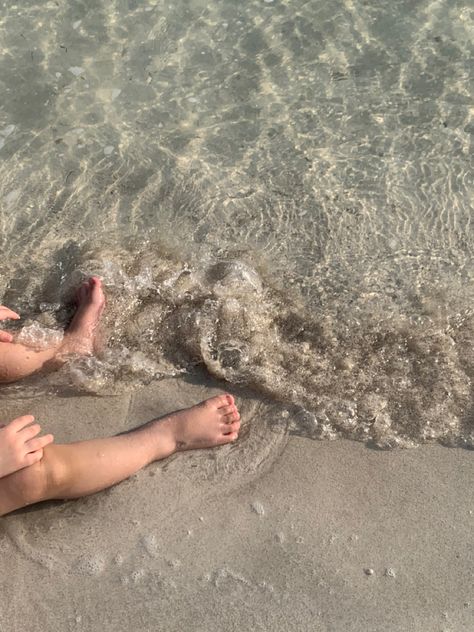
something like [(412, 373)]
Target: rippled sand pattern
[(279, 191)]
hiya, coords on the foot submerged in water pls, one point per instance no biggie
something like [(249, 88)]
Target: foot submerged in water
[(81, 333)]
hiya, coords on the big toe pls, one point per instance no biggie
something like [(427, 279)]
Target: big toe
[(96, 292), (219, 401)]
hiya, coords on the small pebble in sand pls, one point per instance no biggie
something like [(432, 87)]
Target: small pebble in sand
[(150, 544), (201, 518), (118, 560), (258, 508), (390, 572), (369, 571), (108, 150), (280, 537)]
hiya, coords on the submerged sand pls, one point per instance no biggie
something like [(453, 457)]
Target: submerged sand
[(278, 532)]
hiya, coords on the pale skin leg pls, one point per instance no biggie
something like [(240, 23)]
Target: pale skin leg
[(18, 361), (80, 469)]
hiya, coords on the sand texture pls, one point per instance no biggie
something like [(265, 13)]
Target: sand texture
[(278, 532)]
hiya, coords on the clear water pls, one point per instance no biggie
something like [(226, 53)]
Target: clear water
[(279, 191)]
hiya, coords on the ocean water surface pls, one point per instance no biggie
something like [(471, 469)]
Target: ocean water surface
[(278, 191)]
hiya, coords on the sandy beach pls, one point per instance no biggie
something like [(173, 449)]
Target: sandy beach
[(277, 532), (280, 194)]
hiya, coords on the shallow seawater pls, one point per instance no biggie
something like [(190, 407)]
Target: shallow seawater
[(278, 191)]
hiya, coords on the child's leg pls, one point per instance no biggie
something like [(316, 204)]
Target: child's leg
[(18, 361), (80, 469)]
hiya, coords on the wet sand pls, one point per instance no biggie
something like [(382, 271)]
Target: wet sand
[(278, 532)]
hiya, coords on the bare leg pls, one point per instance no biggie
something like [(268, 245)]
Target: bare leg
[(80, 469), (18, 361)]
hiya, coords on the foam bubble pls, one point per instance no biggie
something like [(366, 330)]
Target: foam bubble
[(39, 337), (91, 565), (76, 70), (137, 575), (12, 197)]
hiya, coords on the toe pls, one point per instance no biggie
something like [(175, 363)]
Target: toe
[(218, 402), (228, 438), (232, 428), (96, 292), (95, 283), (226, 410), (232, 416)]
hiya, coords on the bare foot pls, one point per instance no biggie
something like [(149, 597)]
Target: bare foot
[(214, 422), (80, 335)]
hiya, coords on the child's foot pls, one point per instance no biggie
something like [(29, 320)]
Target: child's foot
[(80, 335), (214, 422)]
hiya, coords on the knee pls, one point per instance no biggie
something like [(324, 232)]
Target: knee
[(28, 486), (42, 481), (9, 371)]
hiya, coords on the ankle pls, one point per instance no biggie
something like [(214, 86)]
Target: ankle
[(164, 437)]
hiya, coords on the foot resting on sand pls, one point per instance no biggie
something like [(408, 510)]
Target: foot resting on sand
[(211, 423), (80, 335)]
